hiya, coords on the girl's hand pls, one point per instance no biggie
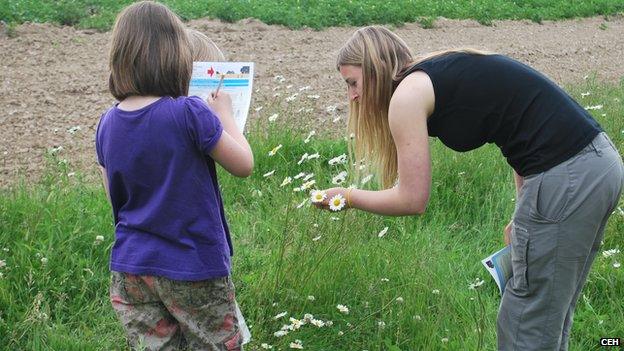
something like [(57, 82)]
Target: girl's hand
[(331, 192), (221, 104)]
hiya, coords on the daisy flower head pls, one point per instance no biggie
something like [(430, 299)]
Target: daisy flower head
[(342, 159), (308, 184), (317, 196), (337, 202), (339, 178), (286, 181), (296, 345), (382, 232), (273, 117), (307, 139), (275, 149), (343, 309)]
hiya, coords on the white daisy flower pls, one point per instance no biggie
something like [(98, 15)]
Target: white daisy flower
[(317, 196), (307, 139), (317, 322), (268, 174), (342, 159), (337, 202), (435, 291), (609, 253), (616, 265), (385, 280), (382, 232), (296, 345), (381, 324), (399, 299), (296, 323), (44, 260), (74, 129), (308, 185), (303, 158), (280, 333), (444, 340), (339, 178), (478, 282), (303, 203), (343, 309), (311, 298), (340, 333), (286, 181), (280, 315), (366, 179), (266, 346), (275, 149), (292, 97), (595, 107)]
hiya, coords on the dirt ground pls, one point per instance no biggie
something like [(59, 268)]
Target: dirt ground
[(54, 79)]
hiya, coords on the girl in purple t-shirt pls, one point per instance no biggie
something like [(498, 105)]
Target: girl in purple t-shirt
[(170, 261)]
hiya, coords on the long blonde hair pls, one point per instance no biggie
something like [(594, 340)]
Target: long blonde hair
[(384, 58)]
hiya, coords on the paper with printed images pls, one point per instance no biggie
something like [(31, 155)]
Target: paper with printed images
[(498, 265), (237, 81)]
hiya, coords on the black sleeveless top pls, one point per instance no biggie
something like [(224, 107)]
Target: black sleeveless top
[(494, 99)]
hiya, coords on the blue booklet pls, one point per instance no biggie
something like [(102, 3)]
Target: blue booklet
[(498, 265)]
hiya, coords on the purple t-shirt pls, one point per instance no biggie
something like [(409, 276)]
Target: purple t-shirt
[(169, 218)]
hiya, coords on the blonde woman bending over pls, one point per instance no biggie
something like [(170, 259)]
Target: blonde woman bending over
[(568, 173)]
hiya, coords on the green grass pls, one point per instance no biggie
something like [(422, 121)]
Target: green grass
[(100, 14), (62, 304)]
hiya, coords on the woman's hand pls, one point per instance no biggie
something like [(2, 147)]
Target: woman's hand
[(507, 233), (331, 192)]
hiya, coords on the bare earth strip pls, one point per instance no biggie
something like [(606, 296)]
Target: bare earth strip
[(54, 79)]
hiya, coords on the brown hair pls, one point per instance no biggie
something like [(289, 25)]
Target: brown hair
[(202, 48), (383, 57), (149, 53)]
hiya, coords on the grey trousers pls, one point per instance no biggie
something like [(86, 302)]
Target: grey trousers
[(558, 225)]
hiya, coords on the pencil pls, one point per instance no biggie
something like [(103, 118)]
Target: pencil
[(219, 86)]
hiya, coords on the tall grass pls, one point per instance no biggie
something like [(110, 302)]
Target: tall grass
[(407, 290), (100, 14)]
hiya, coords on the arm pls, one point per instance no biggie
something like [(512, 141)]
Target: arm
[(518, 180), (232, 151), (105, 182), (410, 106)]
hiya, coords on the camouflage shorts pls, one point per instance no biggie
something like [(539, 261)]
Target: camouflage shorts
[(163, 314)]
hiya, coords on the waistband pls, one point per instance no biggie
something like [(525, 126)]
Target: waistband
[(601, 141)]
